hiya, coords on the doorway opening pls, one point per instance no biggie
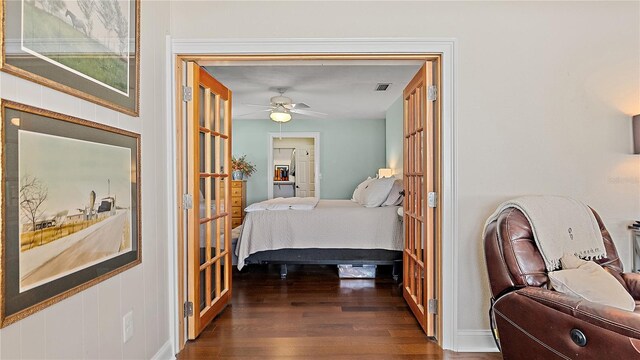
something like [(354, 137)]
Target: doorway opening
[(437, 247), (295, 160)]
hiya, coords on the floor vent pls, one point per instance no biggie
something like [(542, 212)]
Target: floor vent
[(382, 87)]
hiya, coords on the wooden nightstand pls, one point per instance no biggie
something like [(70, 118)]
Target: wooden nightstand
[(238, 201)]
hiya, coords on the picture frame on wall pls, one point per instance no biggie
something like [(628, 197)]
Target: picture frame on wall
[(86, 48), (70, 207)]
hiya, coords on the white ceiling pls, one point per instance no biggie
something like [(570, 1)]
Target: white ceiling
[(343, 90)]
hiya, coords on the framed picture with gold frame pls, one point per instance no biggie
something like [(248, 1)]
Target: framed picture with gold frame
[(70, 207), (86, 48)]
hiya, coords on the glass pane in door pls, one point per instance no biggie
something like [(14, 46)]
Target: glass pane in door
[(203, 243), (212, 111), (222, 273), (222, 195), (203, 302), (221, 128), (222, 152), (221, 229), (201, 113)]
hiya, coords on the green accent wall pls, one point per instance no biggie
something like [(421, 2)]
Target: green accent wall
[(350, 150), (394, 134)]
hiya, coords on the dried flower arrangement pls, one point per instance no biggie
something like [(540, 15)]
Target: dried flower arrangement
[(241, 164)]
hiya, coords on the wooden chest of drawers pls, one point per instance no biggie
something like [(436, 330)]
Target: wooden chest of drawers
[(238, 201)]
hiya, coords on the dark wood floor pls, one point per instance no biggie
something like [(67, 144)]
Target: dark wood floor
[(312, 315)]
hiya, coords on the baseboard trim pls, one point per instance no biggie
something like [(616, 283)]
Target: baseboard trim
[(165, 352), (475, 341)]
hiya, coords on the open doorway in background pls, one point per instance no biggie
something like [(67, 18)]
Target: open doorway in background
[(294, 163)]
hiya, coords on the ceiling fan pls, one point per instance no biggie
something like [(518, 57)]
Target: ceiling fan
[(281, 108)]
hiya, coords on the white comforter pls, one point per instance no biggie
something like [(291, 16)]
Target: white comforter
[(289, 203), (337, 224)]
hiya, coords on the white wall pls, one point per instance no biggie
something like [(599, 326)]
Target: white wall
[(89, 324), (340, 171), (545, 91)]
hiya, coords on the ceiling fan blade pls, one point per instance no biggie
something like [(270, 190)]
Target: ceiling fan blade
[(308, 112), (251, 113), (257, 105), (297, 106)]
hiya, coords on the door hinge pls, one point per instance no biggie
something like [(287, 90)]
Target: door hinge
[(433, 306), (432, 199), (187, 201), (187, 93), (188, 309), (432, 93)]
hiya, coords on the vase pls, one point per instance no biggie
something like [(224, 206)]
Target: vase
[(237, 175)]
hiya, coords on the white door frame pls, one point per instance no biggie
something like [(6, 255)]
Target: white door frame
[(288, 135), (366, 46)]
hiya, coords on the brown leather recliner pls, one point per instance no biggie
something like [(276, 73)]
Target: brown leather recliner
[(534, 322)]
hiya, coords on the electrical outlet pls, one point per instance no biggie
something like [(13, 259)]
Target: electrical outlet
[(127, 326)]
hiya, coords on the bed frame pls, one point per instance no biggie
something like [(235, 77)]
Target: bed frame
[(316, 256)]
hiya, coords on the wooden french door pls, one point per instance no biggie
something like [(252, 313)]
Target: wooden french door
[(420, 149), (208, 144)]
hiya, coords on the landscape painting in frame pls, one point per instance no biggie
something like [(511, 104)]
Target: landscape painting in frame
[(71, 192), (85, 47)]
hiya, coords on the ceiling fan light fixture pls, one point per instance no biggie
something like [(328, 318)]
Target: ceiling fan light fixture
[(280, 116)]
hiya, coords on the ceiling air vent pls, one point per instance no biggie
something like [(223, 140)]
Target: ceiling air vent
[(382, 86)]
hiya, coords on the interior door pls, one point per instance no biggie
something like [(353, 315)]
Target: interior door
[(208, 188), (303, 165), (419, 213), (312, 171)]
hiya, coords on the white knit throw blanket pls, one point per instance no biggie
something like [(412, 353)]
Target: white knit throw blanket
[(560, 225)]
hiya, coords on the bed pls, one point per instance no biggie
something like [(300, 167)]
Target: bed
[(333, 232)]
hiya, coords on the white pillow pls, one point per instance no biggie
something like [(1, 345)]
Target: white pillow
[(376, 192), (590, 281), (394, 198), (358, 190)]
